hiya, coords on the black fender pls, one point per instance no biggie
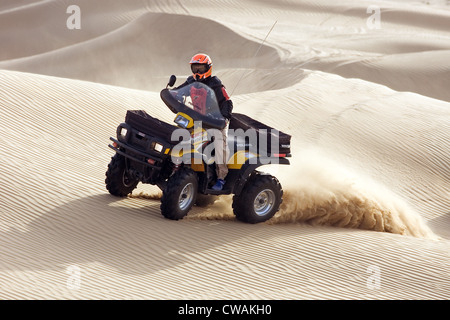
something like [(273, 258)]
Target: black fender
[(248, 168)]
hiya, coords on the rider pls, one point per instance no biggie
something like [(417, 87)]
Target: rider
[(201, 67)]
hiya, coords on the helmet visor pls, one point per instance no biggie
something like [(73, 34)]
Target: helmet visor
[(199, 68)]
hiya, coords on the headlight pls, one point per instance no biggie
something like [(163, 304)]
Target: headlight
[(158, 147), (123, 132), (182, 121)]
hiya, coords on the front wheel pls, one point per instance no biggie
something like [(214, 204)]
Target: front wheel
[(179, 195), (259, 200), (118, 182)]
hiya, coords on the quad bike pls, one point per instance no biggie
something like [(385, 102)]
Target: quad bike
[(180, 159)]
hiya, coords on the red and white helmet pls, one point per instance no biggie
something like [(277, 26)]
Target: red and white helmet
[(201, 66)]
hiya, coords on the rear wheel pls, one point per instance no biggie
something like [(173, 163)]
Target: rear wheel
[(118, 182), (179, 195), (259, 200)]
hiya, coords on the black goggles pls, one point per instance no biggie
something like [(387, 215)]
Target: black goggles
[(199, 68)]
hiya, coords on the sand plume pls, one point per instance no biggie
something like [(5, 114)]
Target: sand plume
[(321, 192)]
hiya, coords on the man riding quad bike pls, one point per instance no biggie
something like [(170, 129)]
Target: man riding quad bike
[(180, 159)]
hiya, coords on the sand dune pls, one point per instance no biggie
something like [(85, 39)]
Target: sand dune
[(154, 54), (368, 187)]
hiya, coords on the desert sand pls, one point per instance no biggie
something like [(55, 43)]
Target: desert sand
[(365, 97)]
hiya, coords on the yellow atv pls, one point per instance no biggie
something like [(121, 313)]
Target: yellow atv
[(180, 159)]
